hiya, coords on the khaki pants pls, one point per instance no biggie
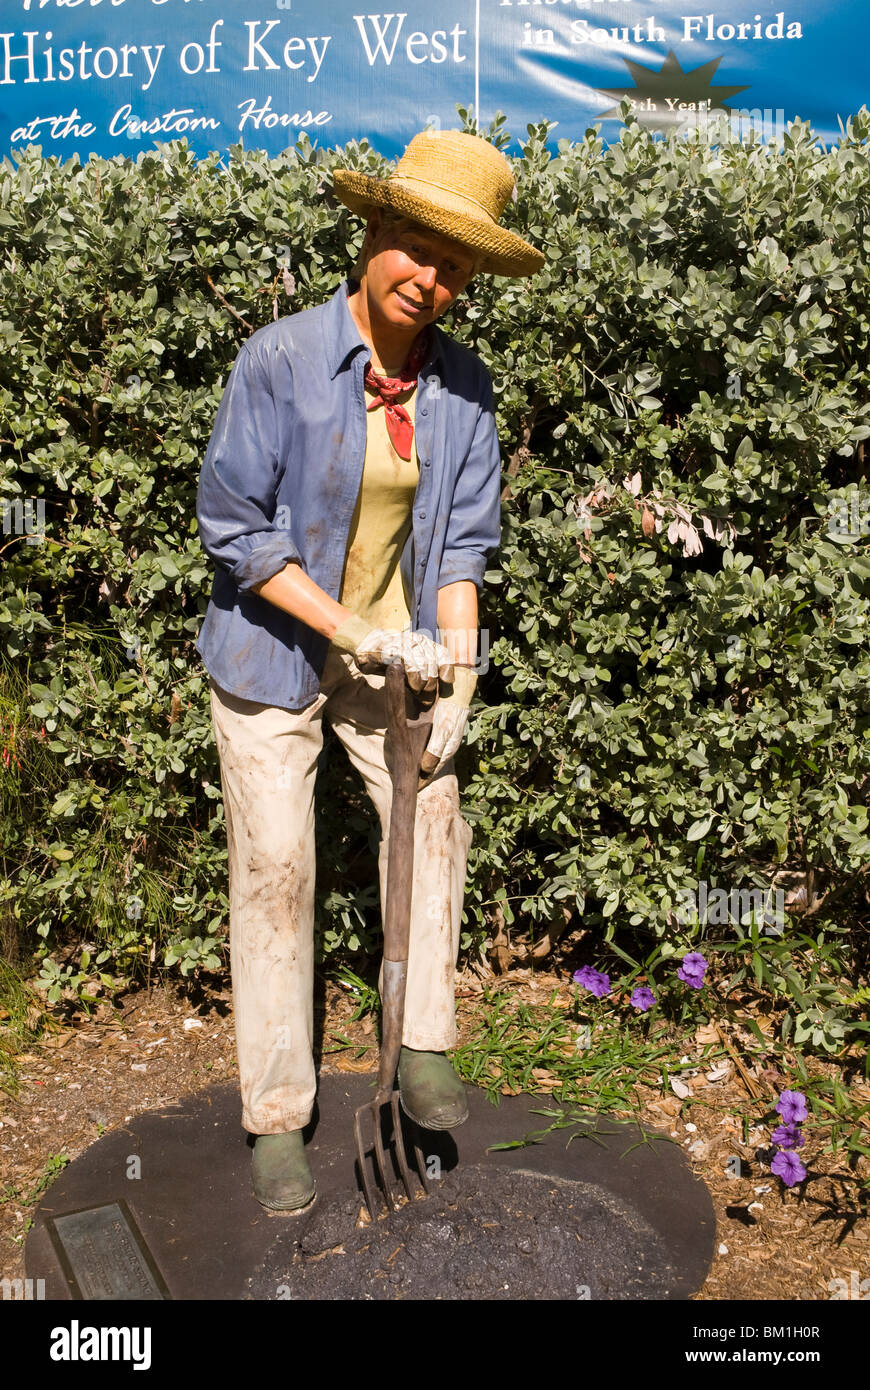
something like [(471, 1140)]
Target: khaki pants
[(268, 759)]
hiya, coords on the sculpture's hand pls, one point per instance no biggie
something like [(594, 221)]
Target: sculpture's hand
[(449, 721), (425, 661)]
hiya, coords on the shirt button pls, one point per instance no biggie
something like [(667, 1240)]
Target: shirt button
[(426, 463), (424, 411), (422, 516)]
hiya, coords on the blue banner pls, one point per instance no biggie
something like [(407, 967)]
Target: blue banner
[(116, 76)]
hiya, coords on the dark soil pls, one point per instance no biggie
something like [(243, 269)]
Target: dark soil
[(484, 1233)]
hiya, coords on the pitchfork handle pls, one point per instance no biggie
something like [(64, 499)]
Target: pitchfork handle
[(408, 739)]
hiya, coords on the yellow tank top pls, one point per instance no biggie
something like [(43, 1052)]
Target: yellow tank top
[(372, 584)]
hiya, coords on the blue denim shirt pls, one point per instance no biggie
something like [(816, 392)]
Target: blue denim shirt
[(280, 479)]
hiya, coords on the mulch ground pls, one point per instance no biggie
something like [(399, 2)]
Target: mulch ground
[(158, 1047)]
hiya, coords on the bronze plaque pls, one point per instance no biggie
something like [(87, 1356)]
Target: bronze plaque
[(104, 1255)]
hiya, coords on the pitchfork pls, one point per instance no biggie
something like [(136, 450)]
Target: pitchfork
[(407, 739)]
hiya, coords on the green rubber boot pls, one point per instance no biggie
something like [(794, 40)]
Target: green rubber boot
[(280, 1173), (430, 1091)]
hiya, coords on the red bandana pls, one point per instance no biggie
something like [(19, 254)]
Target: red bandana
[(399, 424)]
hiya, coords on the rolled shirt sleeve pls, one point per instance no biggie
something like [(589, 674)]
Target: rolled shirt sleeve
[(236, 499), (474, 528)]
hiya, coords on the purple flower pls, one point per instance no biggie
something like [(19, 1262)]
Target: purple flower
[(788, 1136), (594, 980), (792, 1106), (642, 998), (788, 1166), (692, 970)]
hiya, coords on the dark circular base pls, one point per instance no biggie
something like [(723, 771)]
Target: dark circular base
[(168, 1212)]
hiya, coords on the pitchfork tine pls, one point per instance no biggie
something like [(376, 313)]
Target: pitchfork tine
[(400, 1147), (421, 1163), (408, 739), (368, 1188), (381, 1157)]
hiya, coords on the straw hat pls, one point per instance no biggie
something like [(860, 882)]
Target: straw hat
[(455, 184)]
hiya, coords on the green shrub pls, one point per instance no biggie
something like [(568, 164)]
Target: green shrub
[(678, 615)]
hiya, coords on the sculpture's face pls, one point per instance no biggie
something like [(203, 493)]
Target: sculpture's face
[(413, 275)]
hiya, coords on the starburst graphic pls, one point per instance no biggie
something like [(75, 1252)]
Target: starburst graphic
[(665, 98)]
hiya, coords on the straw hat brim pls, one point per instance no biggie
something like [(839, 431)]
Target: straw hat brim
[(503, 251)]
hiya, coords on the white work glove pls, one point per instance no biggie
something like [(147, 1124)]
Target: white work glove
[(424, 661), (449, 721)]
